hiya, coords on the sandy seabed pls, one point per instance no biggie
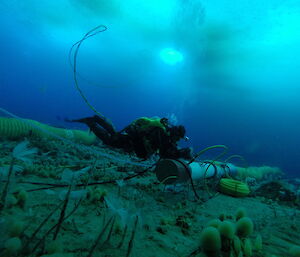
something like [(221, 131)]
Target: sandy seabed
[(136, 217)]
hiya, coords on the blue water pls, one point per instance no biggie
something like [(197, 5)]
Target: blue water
[(238, 82)]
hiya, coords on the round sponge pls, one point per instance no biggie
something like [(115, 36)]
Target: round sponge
[(210, 240), (244, 227), (214, 223), (294, 251), (15, 228), (22, 197), (240, 213), (54, 247), (13, 246), (227, 229)]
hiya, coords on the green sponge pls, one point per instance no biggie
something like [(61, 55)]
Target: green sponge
[(237, 246), (54, 247), (247, 248), (22, 197), (294, 251), (240, 213), (15, 228), (244, 227), (210, 240), (227, 229), (214, 223), (12, 246)]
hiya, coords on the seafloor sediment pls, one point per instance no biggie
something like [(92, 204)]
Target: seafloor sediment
[(166, 222)]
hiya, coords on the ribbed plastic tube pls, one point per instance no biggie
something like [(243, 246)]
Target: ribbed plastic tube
[(14, 127)]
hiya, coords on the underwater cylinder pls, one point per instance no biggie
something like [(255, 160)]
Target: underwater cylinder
[(170, 171)]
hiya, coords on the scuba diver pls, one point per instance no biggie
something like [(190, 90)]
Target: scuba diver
[(144, 137)]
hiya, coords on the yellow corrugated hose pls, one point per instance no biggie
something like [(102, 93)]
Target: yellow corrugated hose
[(12, 128), (233, 187)]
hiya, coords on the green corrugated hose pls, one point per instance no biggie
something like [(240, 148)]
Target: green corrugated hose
[(14, 128), (234, 187)]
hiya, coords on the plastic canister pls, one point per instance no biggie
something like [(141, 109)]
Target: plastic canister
[(171, 171)]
